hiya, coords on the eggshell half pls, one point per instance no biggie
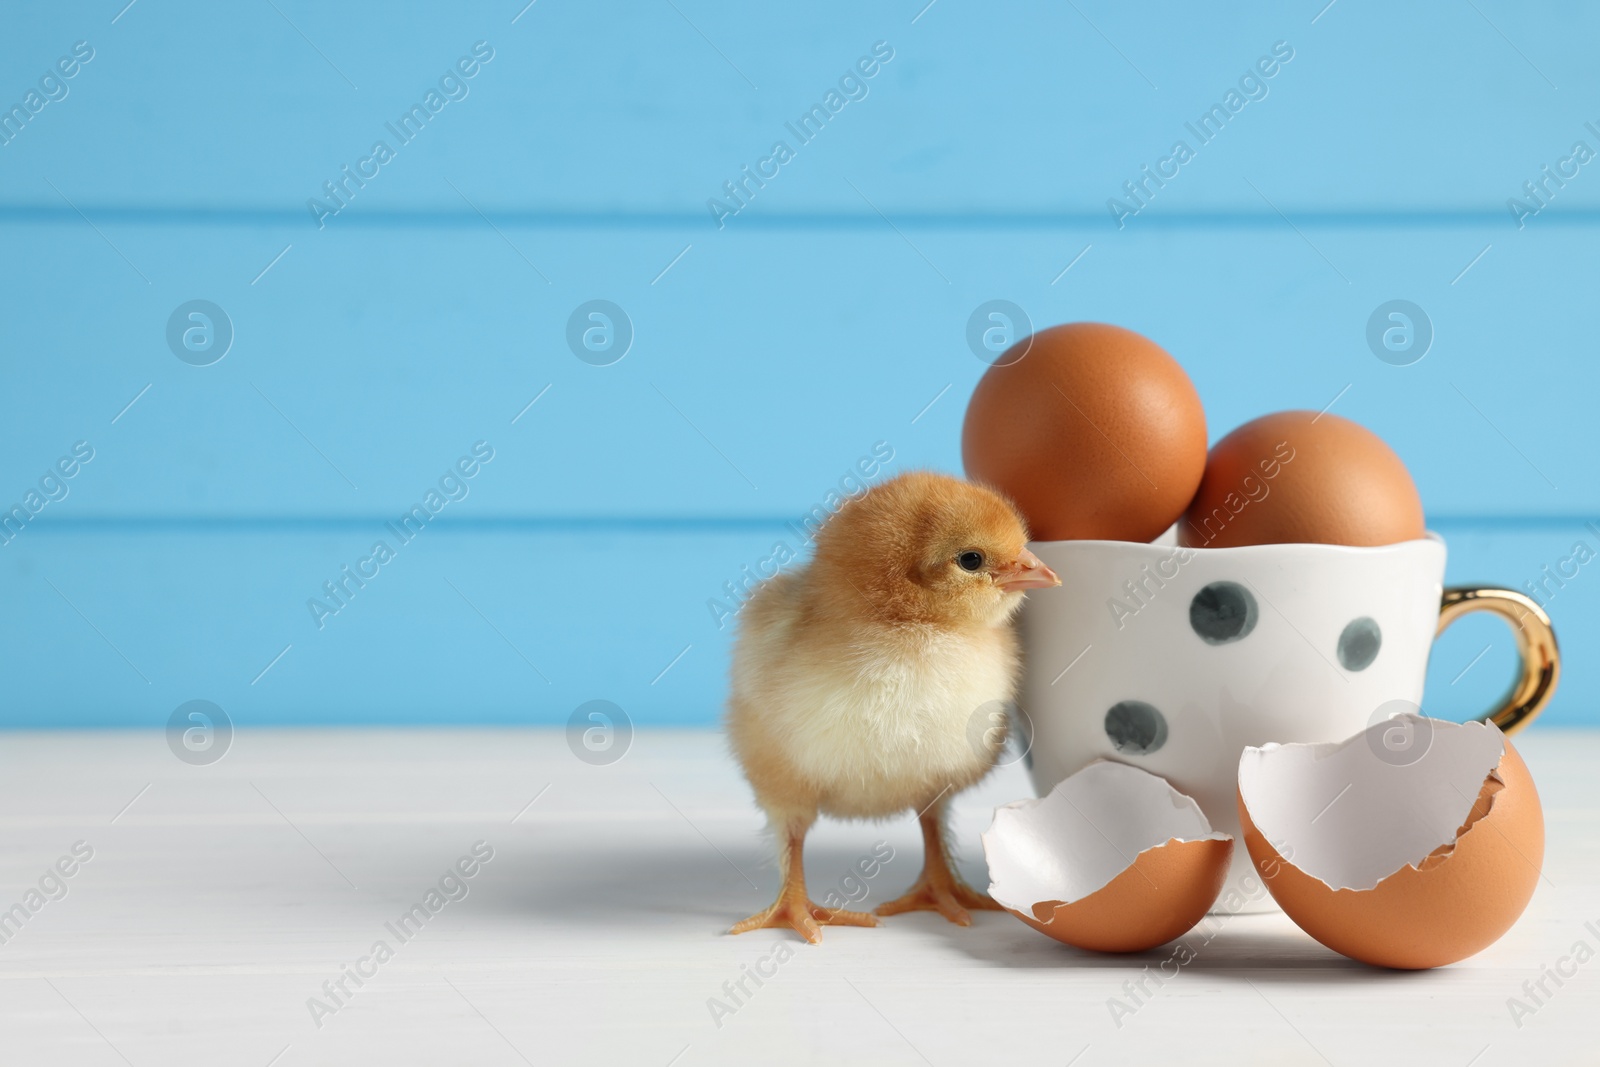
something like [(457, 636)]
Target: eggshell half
[(1460, 832), (1113, 859), (1160, 898)]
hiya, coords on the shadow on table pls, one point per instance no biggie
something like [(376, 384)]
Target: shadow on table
[(640, 885), (646, 887), (1246, 948)]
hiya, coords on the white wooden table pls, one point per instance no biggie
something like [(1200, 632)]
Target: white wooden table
[(222, 898)]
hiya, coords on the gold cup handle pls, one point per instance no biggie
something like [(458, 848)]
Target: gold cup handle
[(1536, 644)]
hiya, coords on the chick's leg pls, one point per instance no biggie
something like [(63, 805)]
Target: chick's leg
[(793, 909), (938, 888)]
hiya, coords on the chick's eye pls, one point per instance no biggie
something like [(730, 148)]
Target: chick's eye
[(970, 561)]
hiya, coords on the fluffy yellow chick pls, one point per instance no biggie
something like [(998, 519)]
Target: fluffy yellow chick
[(856, 679)]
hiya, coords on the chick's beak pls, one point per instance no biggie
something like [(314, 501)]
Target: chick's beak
[(1027, 571)]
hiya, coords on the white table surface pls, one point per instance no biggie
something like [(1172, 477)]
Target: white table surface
[(220, 900)]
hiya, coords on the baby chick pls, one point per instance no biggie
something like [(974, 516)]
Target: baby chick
[(856, 679)]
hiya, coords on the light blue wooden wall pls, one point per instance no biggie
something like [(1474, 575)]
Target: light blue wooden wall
[(770, 353)]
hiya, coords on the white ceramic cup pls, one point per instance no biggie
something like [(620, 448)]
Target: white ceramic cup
[(1175, 659)]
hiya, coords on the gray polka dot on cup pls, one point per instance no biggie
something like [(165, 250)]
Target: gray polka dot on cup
[(1135, 727), (1359, 644), (1223, 612)]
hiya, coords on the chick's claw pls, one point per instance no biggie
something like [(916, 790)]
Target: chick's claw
[(803, 917), (950, 899)]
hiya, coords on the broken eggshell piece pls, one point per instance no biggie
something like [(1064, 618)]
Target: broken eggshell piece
[(1112, 859), (1416, 843)]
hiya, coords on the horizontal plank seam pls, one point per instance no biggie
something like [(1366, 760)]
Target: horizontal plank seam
[(119, 215), (643, 523)]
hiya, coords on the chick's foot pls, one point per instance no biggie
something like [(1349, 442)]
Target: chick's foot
[(938, 888), (804, 917), (949, 896)]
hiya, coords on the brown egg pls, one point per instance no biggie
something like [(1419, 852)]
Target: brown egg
[(1297, 477), (1113, 859), (1397, 864), (1094, 431)]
